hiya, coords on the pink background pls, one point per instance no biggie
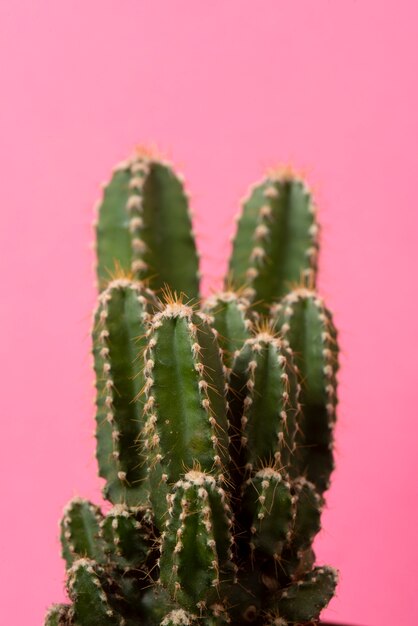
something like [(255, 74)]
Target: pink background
[(225, 88)]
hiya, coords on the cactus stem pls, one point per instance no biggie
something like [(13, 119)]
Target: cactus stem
[(215, 472), (267, 336), (279, 216), (307, 325)]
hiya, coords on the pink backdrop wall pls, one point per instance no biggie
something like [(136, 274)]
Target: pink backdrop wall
[(225, 88)]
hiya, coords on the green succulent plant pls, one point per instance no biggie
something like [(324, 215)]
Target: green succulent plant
[(214, 421)]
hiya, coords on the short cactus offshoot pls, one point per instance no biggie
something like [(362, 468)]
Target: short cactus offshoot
[(214, 425)]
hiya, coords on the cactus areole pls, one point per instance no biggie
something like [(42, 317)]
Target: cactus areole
[(214, 421)]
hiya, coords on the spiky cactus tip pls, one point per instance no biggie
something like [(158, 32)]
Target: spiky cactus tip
[(214, 426), (144, 226), (277, 239)]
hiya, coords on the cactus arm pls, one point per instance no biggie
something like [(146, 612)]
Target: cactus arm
[(215, 388), (268, 506), (191, 404), (80, 530), (114, 227), (188, 554), (270, 401), (298, 557), (304, 600), (144, 227), (307, 521), (307, 326), (90, 600), (170, 252), (276, 243), (59, 615), (229, 313), (118, 340), (185, 407), (196, 548), (129, 536), (243, 242)]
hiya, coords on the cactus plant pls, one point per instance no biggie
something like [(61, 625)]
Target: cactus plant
[(214, 421)]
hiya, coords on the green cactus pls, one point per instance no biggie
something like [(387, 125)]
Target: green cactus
[(80, 532), (276, 244), (187, 425), (306, 325), (268, 507), (118, 337), (144, 227), (197, 538), (230, 313), (214, 427), (59, 615), (264, 401)]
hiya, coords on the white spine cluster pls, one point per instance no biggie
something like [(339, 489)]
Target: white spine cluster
[(139, 169)]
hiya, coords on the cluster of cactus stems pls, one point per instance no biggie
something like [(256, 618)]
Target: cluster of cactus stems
[(214, 420)]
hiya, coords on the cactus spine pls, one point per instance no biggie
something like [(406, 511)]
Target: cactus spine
[(214, 427)]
